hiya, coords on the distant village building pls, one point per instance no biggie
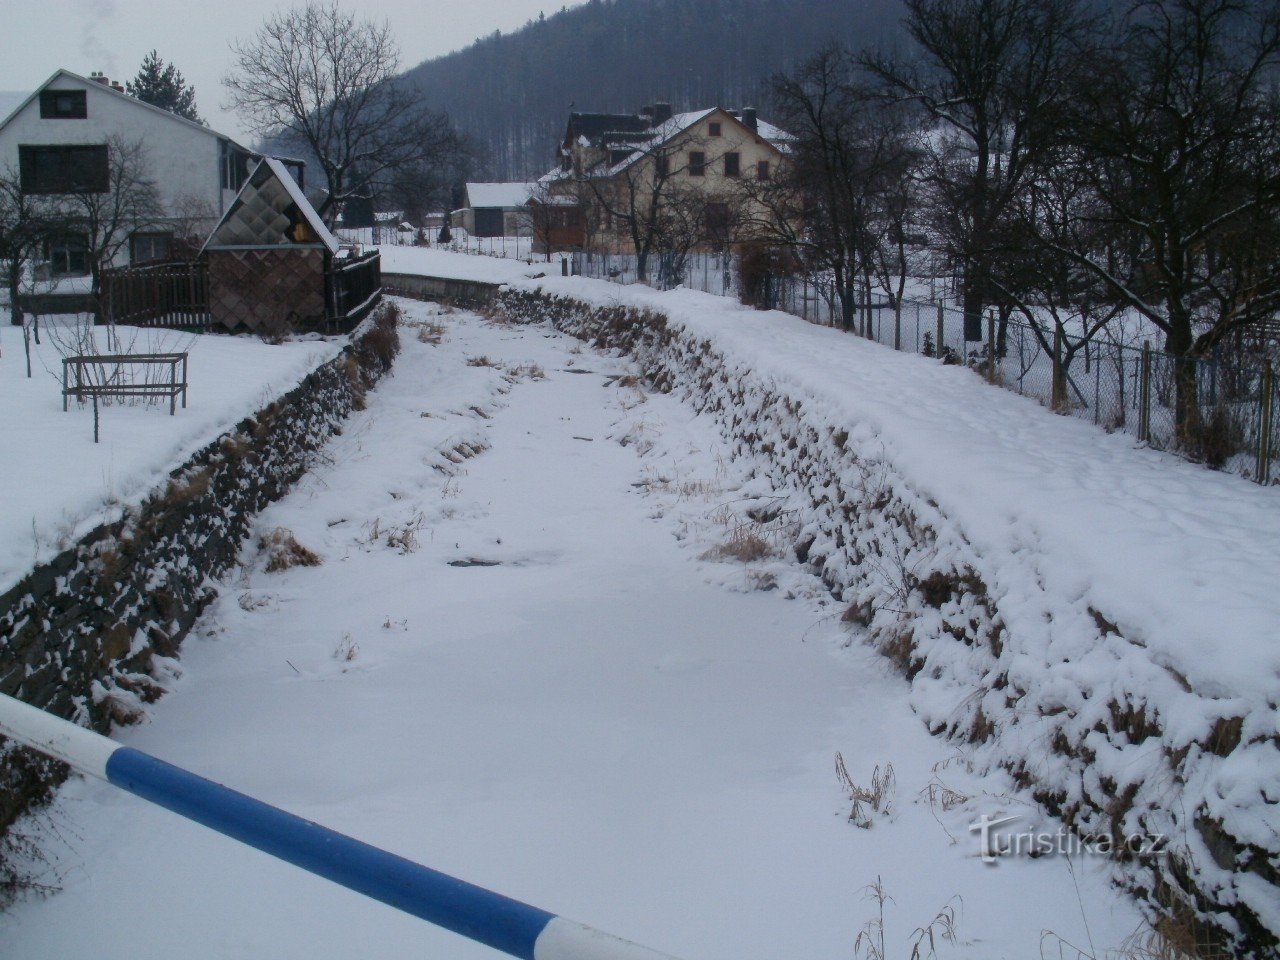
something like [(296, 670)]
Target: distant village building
[(495, 210), (711, 154)]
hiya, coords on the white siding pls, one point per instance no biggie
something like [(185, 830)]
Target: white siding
[(182, 159)]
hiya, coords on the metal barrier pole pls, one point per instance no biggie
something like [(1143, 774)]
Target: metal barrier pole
[(478, 914)]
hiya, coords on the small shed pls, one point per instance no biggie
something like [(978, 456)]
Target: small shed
[(496, 209), (275, 268)]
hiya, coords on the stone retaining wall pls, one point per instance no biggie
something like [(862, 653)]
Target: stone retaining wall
[(87, 635), (917, 590)]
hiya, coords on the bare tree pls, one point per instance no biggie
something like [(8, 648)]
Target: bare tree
[(843, 199), (107, 217), (1064, 305), (26, 221), (1177, 132), (988, 73), (319, 77), (649, 198)]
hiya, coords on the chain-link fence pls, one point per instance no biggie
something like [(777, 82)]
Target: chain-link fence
[(1219, 410)]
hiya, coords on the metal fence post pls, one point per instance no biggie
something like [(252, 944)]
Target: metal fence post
[(1057, 398), (937, 347), (1263, 472), (991, 349), (1144, 395), (897, 324)]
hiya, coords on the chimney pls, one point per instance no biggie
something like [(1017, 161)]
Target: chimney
[(99, 77), (117, 86), (661, 113), (749, 119)]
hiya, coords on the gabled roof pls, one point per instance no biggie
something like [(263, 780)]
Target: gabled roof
[(266, 212), (678, 124), (94, 85), (498, 194)]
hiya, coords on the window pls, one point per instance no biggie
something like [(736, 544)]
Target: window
[(713, 129), (732, 164), (697, 163), (717, 222), (63, 105), (235, 167), (144, 247), (762, 170), (663, 162), (70, 168), (68, 255)]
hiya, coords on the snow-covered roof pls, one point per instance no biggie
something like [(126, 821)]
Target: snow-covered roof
[(498, 194), (680, 122), (267, 208)]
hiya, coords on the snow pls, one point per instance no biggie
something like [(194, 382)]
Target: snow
[(1042, 498), (433, 262), (499, 194), (57, 484), (606, 723), (612, 723)]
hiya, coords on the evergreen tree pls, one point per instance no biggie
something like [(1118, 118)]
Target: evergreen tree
[(162, 85)]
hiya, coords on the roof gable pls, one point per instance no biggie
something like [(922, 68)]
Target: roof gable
[(270, 211), (104, 88), (681, 123)]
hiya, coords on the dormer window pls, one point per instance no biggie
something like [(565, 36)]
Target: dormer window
[(63, 105)]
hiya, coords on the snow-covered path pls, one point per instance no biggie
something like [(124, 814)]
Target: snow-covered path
[(592, 718)]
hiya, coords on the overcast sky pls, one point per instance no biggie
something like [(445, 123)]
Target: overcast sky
[(37, 38)]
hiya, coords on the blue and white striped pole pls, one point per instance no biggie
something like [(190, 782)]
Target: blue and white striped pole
[(508, 925)]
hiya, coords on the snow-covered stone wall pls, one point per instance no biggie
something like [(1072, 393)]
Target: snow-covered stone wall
[(1008, 653), (90, 635)]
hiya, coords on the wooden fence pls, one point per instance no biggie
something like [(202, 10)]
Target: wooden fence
[(158, 295), (177, 294), (353, 289)]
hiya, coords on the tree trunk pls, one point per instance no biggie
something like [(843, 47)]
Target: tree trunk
[(1186, 406), (972, 300)]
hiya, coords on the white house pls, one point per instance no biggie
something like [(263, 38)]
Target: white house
[(56, 141)]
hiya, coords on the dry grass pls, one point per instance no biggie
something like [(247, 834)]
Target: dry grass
[(925, 940), (284, 551), (482, 361), (1172, 938), (431, 332), (347, 650), (744, 545), (522, 371), (867, 800)]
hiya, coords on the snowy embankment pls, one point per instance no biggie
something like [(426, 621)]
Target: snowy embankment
[(519, 663), (57, 484), (1101, 618)]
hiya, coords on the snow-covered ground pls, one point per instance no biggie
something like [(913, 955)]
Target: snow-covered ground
[(57, 484), (608, 722), (436, 262)]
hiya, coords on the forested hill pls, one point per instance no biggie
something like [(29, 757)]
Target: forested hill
[(512, 94)]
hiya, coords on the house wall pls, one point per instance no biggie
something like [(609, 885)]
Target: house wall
[(181, 158), (714, 184)]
